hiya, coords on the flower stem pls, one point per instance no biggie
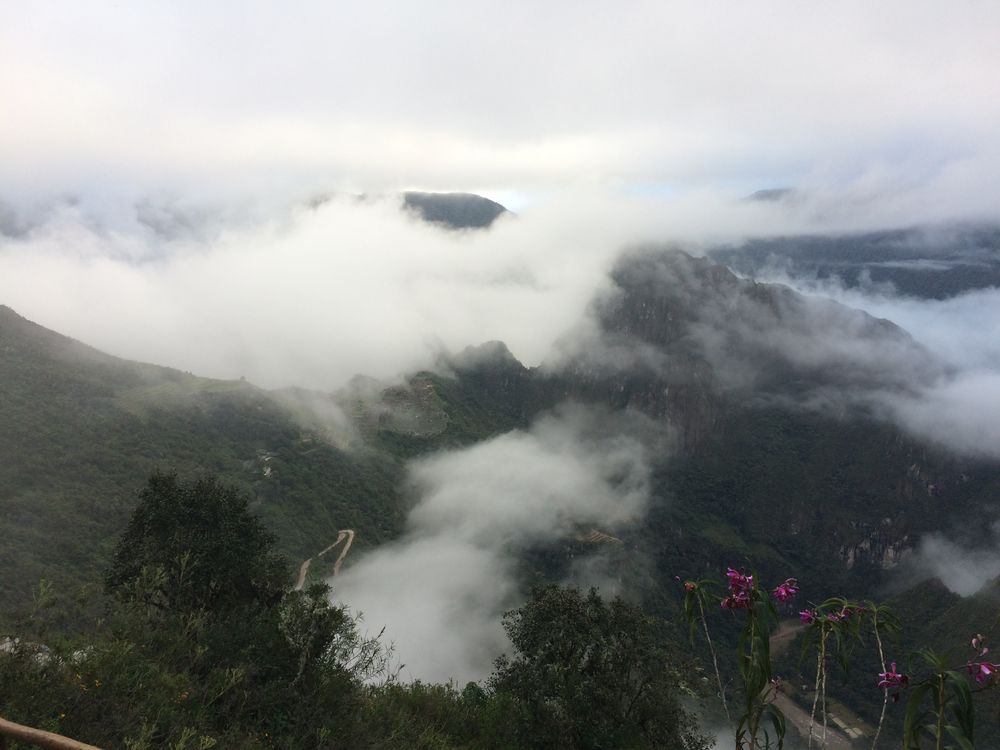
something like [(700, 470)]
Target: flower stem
[(820, 675), (940, 706), (823, 649), (754, 715), (715, 660), (885, 691)]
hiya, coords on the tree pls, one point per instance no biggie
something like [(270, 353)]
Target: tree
[(591, 674), (201, 546), (200, 642)]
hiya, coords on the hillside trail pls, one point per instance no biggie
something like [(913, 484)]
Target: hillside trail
[(347, 534), (795, 715)]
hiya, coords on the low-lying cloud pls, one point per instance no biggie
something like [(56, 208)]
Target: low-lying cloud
[(963, 569), (442, 588), (288, 291), (305, 296), (285, 291), (956, 405)]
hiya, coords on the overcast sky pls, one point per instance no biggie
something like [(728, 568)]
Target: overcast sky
[(514, 99)]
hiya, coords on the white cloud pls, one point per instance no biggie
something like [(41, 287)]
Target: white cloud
[(964, 570), (959, 407), (961, 412), (442, 588), (309, 298), (288, 295)]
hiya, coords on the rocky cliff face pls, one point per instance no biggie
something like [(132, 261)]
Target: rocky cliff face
[(686, 340), (779, 453)]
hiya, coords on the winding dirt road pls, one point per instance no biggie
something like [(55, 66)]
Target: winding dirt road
[(347, 534)]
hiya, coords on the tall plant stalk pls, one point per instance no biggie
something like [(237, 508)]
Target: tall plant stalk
[(820, 675), (885, 691), (715, 659)]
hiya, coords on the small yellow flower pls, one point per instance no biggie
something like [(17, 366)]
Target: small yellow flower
[(97, 683)]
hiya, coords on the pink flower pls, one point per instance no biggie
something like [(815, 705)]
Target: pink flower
[(845, 613), (738, 582), (983, 671), (893, 680), (740, 600), (740, 586), (786, 591), (808, 616)]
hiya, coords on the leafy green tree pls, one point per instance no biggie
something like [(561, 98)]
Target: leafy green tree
[(200, 645), (208, 550), (590, 674)]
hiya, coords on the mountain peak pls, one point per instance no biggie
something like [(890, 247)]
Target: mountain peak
[(454, 210), (490, 353), (753, 333)]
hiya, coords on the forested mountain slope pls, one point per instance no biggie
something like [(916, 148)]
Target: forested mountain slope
[(81, 430), (773, 458)]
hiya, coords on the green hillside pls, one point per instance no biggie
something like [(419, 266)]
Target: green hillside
[(81, 431)]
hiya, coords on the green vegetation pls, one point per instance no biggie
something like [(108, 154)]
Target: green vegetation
[(207, 551), (935, 623), (590, 674), (80, 427), (200, 646)]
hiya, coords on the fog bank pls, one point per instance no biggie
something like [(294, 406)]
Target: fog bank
[(442, 588)]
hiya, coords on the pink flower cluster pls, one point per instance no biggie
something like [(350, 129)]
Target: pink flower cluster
[(740, 586), (983, 671), (786, 591), (893, 680), (845, 614), (809, 616)]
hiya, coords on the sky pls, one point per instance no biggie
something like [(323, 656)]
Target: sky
[(515, 101)]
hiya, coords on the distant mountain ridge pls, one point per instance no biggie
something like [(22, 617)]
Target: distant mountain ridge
[(924, 262), (756, 470), (454, 210), (763, 457), (81, 430)]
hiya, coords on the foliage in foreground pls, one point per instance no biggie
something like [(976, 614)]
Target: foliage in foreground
[(938, 695), (201, 646), (588, 673)]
